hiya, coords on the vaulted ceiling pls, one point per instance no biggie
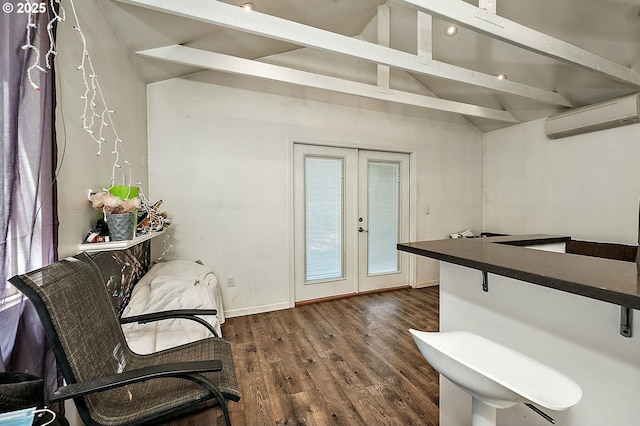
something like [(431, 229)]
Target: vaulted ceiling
[(556, 54)]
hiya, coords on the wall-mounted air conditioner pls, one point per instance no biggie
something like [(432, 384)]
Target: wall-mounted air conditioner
[(605, 115)]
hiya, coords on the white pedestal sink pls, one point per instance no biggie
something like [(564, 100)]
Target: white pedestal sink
[(494, 375)]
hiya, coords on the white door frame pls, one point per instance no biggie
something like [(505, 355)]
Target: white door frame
[(413, 195)]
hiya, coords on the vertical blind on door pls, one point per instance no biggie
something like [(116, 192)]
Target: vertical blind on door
[(384, 217), (324, 212)]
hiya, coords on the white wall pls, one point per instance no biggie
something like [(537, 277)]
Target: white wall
[(220, 157), (585, 186), (125, 92)]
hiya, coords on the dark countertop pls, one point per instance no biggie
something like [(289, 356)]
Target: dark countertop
[(608, 280)]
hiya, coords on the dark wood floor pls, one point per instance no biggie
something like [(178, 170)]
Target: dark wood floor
[(343, 362)]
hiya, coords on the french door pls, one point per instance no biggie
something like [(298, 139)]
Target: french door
[(351, 209)]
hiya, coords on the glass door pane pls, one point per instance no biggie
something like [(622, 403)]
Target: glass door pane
[(383, 214), (324, 213), (383, 219)]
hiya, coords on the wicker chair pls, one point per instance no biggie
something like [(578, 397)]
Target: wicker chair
[(110, 384)]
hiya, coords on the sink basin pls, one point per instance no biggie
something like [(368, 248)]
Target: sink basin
[(494, 374)]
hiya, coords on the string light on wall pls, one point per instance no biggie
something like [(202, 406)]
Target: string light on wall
[(32, 9), (36, 52), (57, 17), (97, 120)]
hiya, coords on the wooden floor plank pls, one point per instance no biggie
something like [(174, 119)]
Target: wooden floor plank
[(341, 362)]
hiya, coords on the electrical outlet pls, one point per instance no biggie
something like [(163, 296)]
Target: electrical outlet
[(231, 281)]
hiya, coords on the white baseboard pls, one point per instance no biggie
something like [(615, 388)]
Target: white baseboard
[(256, 310), (431, 283), (285, 305)]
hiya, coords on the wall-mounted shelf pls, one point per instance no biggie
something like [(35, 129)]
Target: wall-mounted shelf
[(119, 245)]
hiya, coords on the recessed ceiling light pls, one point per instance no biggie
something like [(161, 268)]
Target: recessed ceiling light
[(248, 6), (451, 30), (502, 77)]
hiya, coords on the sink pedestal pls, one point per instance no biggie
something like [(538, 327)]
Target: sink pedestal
[(482, 414)]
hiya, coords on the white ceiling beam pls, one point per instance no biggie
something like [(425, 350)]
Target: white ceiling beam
[(230, 16), (231, 64), (488, 23)]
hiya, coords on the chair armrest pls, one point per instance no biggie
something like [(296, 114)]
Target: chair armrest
[(190, 314), (178, 370)]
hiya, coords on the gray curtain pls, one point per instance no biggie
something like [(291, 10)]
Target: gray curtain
[(28, 222)]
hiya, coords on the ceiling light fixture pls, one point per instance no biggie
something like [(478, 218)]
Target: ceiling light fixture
[(502, 77), (451, 30), (248, 6)]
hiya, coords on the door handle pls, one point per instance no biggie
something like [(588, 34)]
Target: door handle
[(361, 229)]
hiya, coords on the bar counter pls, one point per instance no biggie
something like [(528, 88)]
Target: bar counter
[(607, 280)]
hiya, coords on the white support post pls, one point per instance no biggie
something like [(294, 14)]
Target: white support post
[(482, 414), (384, 38), (488, 5), (425, 36)]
